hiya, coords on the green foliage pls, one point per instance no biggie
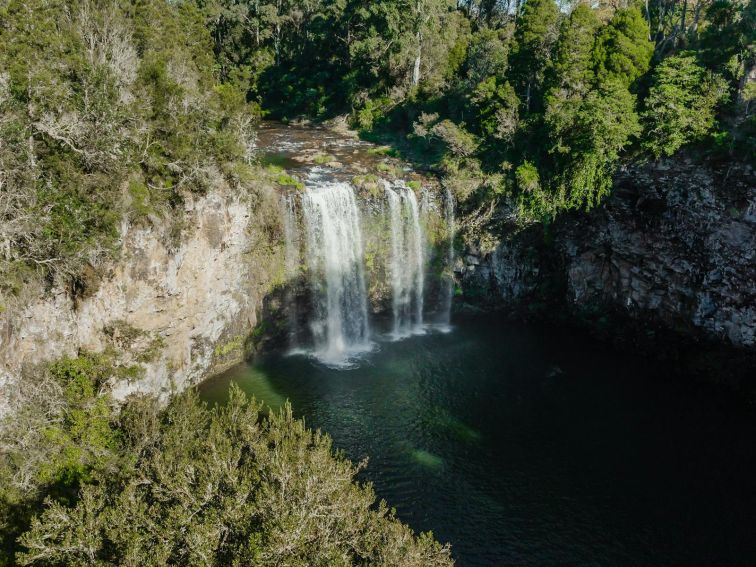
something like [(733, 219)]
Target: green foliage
[(61, 434), (83, 441), (603, 126), (572, 77), (623, 50), (372, 112), (96, 97), (681, 104), (573, 68), (497, 107), (535, 35), (487, 56), (533, 202), (460, 142), (727, 43), (232, 485), (287, 180)]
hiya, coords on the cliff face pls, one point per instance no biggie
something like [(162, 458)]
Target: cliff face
[(673, 249), (675, 245), (179, 313)]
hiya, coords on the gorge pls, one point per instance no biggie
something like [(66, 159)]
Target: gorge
[(366, 254), (391, 283)]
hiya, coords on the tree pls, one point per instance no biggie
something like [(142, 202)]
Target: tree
[(604, 125), (681, 104), (487, 56), (623, 50), (571, 76), (537, 31), (225, 486), (498, 109), (393, 38)]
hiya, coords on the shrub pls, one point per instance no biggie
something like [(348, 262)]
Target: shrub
[(225, 486)]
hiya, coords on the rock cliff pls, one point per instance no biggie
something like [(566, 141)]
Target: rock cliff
[(177, 312), (672, 251)]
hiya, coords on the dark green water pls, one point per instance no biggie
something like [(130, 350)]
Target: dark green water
[(522, 445)]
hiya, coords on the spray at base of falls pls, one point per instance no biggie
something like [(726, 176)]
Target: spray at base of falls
[(336, 260), (334, 245), (407, 260)]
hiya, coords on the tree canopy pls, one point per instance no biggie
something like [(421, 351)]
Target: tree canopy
[(525, 79)]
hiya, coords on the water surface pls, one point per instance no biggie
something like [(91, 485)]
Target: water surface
[(523, 445)]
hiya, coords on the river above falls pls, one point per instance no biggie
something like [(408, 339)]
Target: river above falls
[(525, 445)]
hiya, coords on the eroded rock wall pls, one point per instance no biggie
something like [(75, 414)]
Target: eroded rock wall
[(673, 248), (180, 312)]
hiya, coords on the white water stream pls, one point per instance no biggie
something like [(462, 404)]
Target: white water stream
[(335, 256), (407, 260)]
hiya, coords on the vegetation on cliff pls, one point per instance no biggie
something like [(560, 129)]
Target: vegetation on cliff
[(86, 483), (108, 110)]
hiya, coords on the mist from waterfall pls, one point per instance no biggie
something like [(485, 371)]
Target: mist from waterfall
[(448, 290), (335, 256), (407, 262)]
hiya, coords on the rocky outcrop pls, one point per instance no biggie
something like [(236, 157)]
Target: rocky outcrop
[(674, 248), (676, 245), (175, 313)]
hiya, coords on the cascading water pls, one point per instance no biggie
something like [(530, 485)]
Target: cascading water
[(407, 262), (337, 275), (291, 249), (448, 291)]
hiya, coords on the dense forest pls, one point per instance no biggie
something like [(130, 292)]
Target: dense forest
[(537, 99), (113, 111), (535, 102)]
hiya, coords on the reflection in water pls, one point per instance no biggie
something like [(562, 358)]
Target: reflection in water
[(527, 446)]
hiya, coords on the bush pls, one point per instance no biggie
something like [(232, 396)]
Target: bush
[(223, 486), (534, 203)]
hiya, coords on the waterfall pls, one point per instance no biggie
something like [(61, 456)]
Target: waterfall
[(291, 266), (448, 291), (407, 262), (337, 275)]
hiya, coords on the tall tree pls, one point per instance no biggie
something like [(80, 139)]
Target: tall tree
[(536, 33), (572, 74), (681, 104), (623, 50)]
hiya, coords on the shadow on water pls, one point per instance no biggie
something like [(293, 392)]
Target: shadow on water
[(531, 446)]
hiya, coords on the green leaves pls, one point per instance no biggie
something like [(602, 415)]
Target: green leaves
[(498, 109), (623, 50), (681, 104), (536, 32), (225, 486)]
